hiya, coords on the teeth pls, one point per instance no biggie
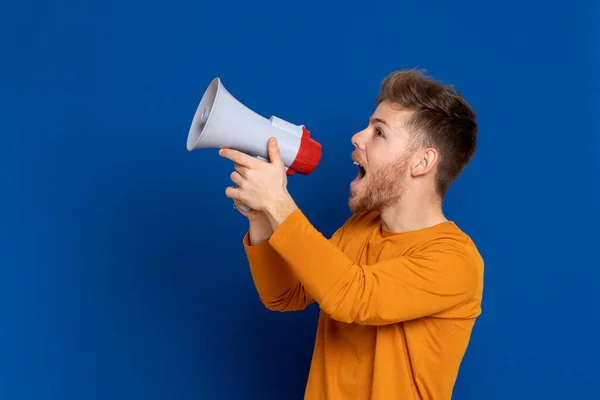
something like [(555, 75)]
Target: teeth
[(355, 163)]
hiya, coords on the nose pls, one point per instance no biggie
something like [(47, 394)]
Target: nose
[(357, 140)]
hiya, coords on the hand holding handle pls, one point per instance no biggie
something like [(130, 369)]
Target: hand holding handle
[(243, 206)]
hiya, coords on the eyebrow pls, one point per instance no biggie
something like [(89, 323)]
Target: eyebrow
[(375, 119)]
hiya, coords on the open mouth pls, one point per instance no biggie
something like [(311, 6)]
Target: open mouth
[(361, 173)]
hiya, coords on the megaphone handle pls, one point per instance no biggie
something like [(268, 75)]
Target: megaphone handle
[(244, 207)]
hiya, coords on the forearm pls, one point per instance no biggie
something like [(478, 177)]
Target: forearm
[(313, 260), (259, 231), (277, 286)]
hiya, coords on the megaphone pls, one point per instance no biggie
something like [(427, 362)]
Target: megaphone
[(221, 120)]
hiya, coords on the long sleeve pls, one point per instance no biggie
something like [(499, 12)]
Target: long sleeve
[(430, 281), (277, 287)]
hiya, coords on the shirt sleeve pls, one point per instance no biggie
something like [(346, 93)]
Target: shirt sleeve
[(403, 288), (277, 287)]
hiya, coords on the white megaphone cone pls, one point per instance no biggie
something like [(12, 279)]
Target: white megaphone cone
[(221, 121)]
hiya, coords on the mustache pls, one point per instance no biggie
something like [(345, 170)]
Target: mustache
[(355, 157)]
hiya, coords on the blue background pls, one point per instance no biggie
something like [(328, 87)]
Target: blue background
[(122, 273)]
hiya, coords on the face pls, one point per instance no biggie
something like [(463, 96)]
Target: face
[(385, 157)]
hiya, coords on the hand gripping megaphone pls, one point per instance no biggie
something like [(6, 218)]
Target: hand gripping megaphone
[(221, 121)]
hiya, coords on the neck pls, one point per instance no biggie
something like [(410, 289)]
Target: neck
[(413, 214)]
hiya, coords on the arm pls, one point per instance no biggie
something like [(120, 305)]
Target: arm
[(277, 286), (436, 279)]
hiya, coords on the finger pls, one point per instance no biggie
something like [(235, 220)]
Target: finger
[(237, 178), (233, 193), (274, 154), (239, 158), (240, 169)]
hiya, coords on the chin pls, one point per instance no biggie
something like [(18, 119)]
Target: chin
[(357, 204)]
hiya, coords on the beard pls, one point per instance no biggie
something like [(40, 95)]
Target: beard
[(381, 188)]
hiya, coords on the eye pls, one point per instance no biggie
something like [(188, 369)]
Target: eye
[(379, 133)]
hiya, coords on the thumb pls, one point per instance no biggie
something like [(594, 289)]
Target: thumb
[(274, 155)]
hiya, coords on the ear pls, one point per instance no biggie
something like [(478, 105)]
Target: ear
[(424, 161)]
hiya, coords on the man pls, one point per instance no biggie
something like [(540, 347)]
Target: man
[(399, 286)]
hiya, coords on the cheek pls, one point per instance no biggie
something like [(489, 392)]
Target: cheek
[(380, 156)]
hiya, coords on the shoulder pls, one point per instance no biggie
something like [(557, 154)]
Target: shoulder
[(468, 246), (449, 233), (450, 247), (455, 249), (464, 261)]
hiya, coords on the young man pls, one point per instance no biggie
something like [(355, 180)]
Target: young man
[(399, 286)]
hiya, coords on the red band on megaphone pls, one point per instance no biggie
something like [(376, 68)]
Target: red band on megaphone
[(308, 157)]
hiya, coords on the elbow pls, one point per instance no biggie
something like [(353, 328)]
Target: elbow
[(345, 318), (274, 305), (285, 303), (358, 319), (363, 314), (282, 309), (282, 306), (348, 316)]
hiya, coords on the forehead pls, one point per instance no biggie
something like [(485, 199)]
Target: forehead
[(393, 116)]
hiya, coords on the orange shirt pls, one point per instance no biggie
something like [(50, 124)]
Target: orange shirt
[(397, 309)]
